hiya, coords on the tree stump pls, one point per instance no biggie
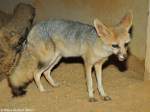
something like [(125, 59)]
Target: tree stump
[(4, 18), (13, 36)]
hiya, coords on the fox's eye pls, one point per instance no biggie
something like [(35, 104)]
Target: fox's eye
[(126, 44), (115, 46)]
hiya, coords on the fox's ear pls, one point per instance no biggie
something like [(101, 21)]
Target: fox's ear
[(101, 29), (126, 21)]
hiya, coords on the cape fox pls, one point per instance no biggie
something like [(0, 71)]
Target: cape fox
[(51, 40)]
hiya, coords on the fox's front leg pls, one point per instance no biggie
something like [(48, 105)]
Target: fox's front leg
[(98, 69), (88, 68)]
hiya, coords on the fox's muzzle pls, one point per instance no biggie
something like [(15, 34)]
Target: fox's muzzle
[(122, 57)]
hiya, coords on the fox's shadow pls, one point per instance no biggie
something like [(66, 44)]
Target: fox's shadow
[(112, 60)]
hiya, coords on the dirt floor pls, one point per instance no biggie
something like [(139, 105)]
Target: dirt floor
[(128, 91)]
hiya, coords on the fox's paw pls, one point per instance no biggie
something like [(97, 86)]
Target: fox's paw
[(56, 84), (43, 90), (93, 100), (106, 98)]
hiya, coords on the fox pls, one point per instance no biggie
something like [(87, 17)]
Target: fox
[(51, 40)]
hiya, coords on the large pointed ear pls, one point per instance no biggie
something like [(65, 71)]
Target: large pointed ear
[(101, 29), (126, 21)]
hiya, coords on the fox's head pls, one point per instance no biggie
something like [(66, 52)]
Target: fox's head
[(117, 37)]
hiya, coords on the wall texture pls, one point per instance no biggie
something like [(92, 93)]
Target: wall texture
[(108, 11)]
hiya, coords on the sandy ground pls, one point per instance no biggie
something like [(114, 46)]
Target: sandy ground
[(128, 91)]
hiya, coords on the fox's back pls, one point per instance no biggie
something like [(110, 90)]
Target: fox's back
[(69, 36), (66, 29)]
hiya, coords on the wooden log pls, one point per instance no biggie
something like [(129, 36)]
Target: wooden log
[(147, 57), (13, 36)]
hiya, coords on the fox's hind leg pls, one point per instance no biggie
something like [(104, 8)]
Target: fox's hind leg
[(37, 77), (47, 73), (46, 69)]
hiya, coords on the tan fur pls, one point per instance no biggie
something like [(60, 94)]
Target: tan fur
[(43, 53)]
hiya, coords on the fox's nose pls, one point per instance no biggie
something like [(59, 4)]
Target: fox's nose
[(125, 56), (122, 57)]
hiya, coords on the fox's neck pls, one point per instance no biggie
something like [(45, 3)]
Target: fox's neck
[(103, 50), (107, 49)]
